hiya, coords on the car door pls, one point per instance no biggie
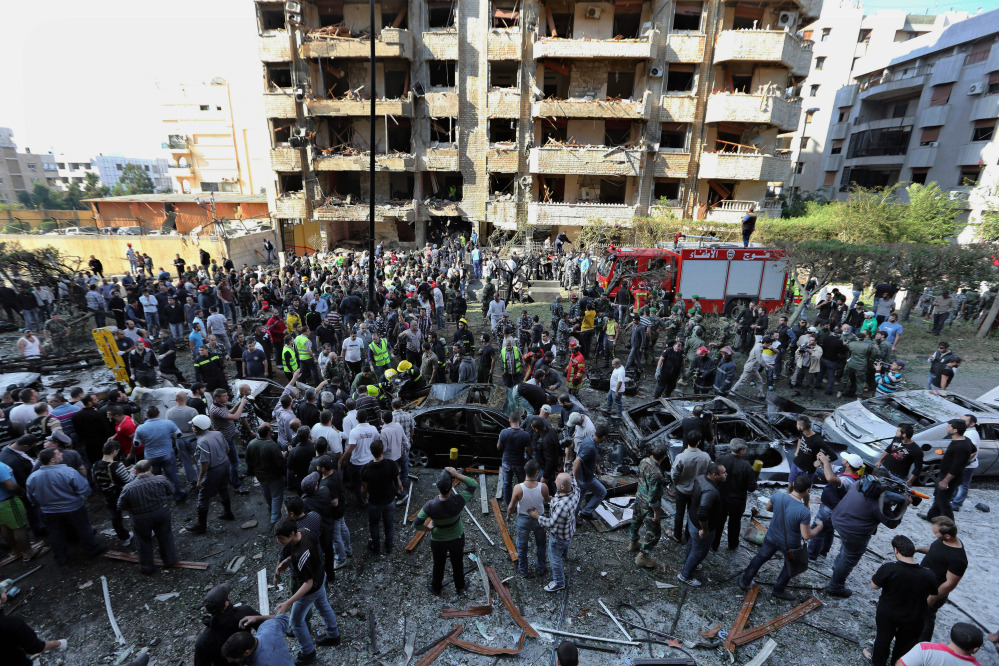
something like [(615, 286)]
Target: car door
[(484, 427), (435, 433), (988, 452)]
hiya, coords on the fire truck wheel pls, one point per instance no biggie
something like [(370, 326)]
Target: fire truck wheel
[(736, 306)]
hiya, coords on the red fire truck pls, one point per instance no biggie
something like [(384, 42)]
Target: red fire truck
[(723, 277)]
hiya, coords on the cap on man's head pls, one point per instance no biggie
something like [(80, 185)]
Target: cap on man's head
[(202, 422), (443, 482), (574, 419), (215, 600), (900, 363), (854, 460)]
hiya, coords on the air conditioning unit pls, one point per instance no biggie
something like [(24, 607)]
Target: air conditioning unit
[(656, 72), (292, 6), (525, 181), (976, 89), (933, 144), (592, 12), (299, 93), (787, 19), (957, 195), (291, 17)]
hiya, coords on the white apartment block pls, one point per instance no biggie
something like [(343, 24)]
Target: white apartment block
[(73, 169)]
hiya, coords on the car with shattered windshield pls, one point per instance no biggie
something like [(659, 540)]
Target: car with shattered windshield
[(771, 435), (466, 417), (868, 426)]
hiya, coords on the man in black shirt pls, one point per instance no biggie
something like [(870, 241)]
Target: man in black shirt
[(197, 399), (902, 457), (221, 623), (20, 640), (547, 451), (706, 511), (147, 499), (300, 551), (952, 465), (380, 483), (901, 610), (535, 395), (487, 359), (741, 481), (948, 561), (308, 412), (807, 451), (168, 360), (669, 369)]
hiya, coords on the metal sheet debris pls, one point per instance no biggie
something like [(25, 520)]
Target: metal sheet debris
[(107, 606)]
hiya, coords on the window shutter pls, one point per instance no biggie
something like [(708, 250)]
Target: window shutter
[(941, 94), (830, 178), (985, 124), (929, 134)]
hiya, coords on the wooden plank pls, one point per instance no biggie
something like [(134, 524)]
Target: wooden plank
[(131, 557), (508, 602), (400, 16), (552, 32), (742, 617), (780, 621), (472, 611), (510, 548), (10, 558), (263, 601), (488, 651), (439, 647), (415, 541), (483, 494)]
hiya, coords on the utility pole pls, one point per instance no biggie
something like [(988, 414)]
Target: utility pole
[(371, 166)]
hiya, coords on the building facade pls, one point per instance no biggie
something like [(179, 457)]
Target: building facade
[(74, 169), (20, 171), (550, 113), (213, 145), (109, 168), (926, 113), (843, 36)]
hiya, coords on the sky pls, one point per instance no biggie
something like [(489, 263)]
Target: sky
[(81, 77)]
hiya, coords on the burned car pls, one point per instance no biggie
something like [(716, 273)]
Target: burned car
[(264, 396), (466, 417), (867, 426), (770, 437)]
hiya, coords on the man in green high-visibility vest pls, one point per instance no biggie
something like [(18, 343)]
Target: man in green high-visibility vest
[(289, 357), (378, 354), (306, 359)]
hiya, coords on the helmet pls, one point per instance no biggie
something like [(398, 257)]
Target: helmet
[(573, 295), (573, 343), (202, 422), (390, 373), (702, 351), (404, 366), (726, 350), (463, 321), (305, 278), (203, 288), (372, 389)]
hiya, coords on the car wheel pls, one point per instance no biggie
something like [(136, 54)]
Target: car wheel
[(418, 458), (929, 474)]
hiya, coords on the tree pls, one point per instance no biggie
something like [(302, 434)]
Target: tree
[(46, 265), (931, 216), (74, 196), (910, 264), (93, 188), (42, 196), (134, 180)]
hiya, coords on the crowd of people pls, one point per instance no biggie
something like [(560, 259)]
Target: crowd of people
[(344, 443)]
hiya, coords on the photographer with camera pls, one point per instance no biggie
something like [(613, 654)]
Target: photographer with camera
[(888, 378), (808, 363), (838, 481)]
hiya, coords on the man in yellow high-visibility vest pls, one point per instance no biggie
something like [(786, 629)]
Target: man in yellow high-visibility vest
[(378, 354), (306, 359)]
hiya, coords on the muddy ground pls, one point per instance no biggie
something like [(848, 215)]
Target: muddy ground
[(391, 592)]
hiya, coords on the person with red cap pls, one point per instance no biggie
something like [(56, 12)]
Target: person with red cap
[(725, 372), (703, 371)]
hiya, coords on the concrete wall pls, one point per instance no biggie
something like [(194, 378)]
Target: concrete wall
[(31, 219)]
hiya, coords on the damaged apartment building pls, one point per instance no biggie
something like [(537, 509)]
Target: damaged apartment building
[(494, 114)]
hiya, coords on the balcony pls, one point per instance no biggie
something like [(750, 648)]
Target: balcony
[(358, 212), (586, 160), (179, 171), (578, 214), (286, 159), (671, 165), (756, 109), (744, 166), (763, 46), (593, 108), (677, 109), (290, 206), (441, 104), (972, 153), (845, 96), (274, 47), (684, 47), (502, 159), (864, 123), (502, 212), (441, 208), (402, 106), (932, 116), (391, 43), (604, 49), (808, 9), (831, 162), (671, 208), (986, 106), (502, 103), (503, 45), (177, 146), (440, 44), (947, 70), (923, 156), (396, 162), (839, 131), (279, 105), (732, 210), (438, 159), (895, 84)]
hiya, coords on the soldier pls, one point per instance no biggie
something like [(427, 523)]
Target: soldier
[(487, 295), (57, 334), (695, 309), (728, 333), (557, 311), (648, 510), (690, 347), (577, 368), (856, 366)]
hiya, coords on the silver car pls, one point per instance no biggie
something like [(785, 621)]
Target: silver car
[(867, 426)]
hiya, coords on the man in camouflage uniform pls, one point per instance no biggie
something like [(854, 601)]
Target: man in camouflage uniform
[(648, 512), (690, 347), (728, 334), (695, 309), (57, 334), (557, 311), (880, 351), (487, 295)]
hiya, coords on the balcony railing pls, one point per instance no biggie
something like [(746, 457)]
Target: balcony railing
[(891, 77)]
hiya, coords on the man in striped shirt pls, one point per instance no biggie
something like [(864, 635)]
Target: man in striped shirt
[(888, 380)]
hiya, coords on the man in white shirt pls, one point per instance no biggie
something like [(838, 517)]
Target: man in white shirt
[(581, 427), (616, 389), (358, 451), (352, 349), (396, 443), (325, 429), (218, 325), (496, 312), (438, 308), (151, 311)]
